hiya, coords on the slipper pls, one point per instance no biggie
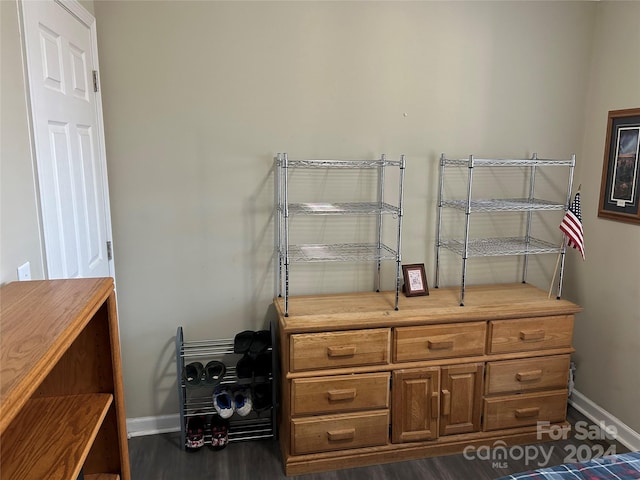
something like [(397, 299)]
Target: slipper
[(192, 373), (244, 367), (262, 365), (195, 433), (242, 341), (242, 401), (260, 343), (213, 372), (261, 397), (223, 402)]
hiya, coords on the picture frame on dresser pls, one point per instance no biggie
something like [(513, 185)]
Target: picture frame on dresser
[(620, 184), (415, 280)]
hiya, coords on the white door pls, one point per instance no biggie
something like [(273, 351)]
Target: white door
[(68, 137)]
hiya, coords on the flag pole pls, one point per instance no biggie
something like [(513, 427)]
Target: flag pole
[(555, 270), (565, 241)]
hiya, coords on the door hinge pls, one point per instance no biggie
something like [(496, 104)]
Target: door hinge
[(109, 250), (95, 80)]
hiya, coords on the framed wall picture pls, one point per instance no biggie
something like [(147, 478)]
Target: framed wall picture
[(415, 280), (620, 186)]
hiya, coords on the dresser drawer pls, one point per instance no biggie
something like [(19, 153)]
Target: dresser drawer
[(523, 410), (315, 351), (439, 341), (339, 432), (342, 393), (515, 376), (530, 334)]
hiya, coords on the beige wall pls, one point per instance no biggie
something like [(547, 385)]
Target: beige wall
[(19, 226), (88, 5), (607, 284), (198, 97)]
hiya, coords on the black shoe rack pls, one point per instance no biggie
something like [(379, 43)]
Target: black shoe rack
[(197, 400)]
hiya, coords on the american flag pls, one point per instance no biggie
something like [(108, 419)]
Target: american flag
[(571, 225)]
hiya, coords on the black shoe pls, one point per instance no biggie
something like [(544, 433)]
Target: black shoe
[(262, 365), (262, 396), (260, 343), (252, 342), (242, 341), (244, 367)]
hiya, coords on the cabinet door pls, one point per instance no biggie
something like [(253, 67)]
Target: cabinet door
[(461, 398), (415, 404)]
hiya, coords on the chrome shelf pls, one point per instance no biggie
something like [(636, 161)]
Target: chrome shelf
[(346, 252), (497, 247), (376, 251), (504, 205), (505, 162), (353, 208), (355, 164), (494, 247)]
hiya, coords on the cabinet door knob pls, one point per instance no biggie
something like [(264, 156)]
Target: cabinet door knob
[(532, 336), (440, 345), (344, 434), (344, 394), (529, 376), (342, 351)]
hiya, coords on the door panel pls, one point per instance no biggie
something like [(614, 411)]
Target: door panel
[(79, 70), (461, 398), (61, 204), (415, 404)]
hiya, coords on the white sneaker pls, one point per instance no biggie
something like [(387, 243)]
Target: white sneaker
[(242, 401), (223, 403)]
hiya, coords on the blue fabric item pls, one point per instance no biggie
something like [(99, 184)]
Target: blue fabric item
[(624, 466)]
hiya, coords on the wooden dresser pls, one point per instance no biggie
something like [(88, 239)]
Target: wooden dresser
[(61, 382), (363, 384)]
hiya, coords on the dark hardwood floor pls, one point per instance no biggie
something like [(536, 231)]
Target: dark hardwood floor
[(159, 457)]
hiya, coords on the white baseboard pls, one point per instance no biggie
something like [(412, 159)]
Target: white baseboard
[(625, 434), (141, 426)]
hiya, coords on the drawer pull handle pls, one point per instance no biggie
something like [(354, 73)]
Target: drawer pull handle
[(529, 376), (439, 345), (532, 336), (341, 435), (344, 351), (341, 395), (446, 402), (434, 405), (527, 412)]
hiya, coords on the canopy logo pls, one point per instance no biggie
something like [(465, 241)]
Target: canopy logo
[(498, 454)]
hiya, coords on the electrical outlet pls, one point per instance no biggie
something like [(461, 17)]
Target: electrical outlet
[(24, 272)]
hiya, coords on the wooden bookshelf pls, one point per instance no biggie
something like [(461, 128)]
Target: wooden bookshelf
[(61, 381)]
